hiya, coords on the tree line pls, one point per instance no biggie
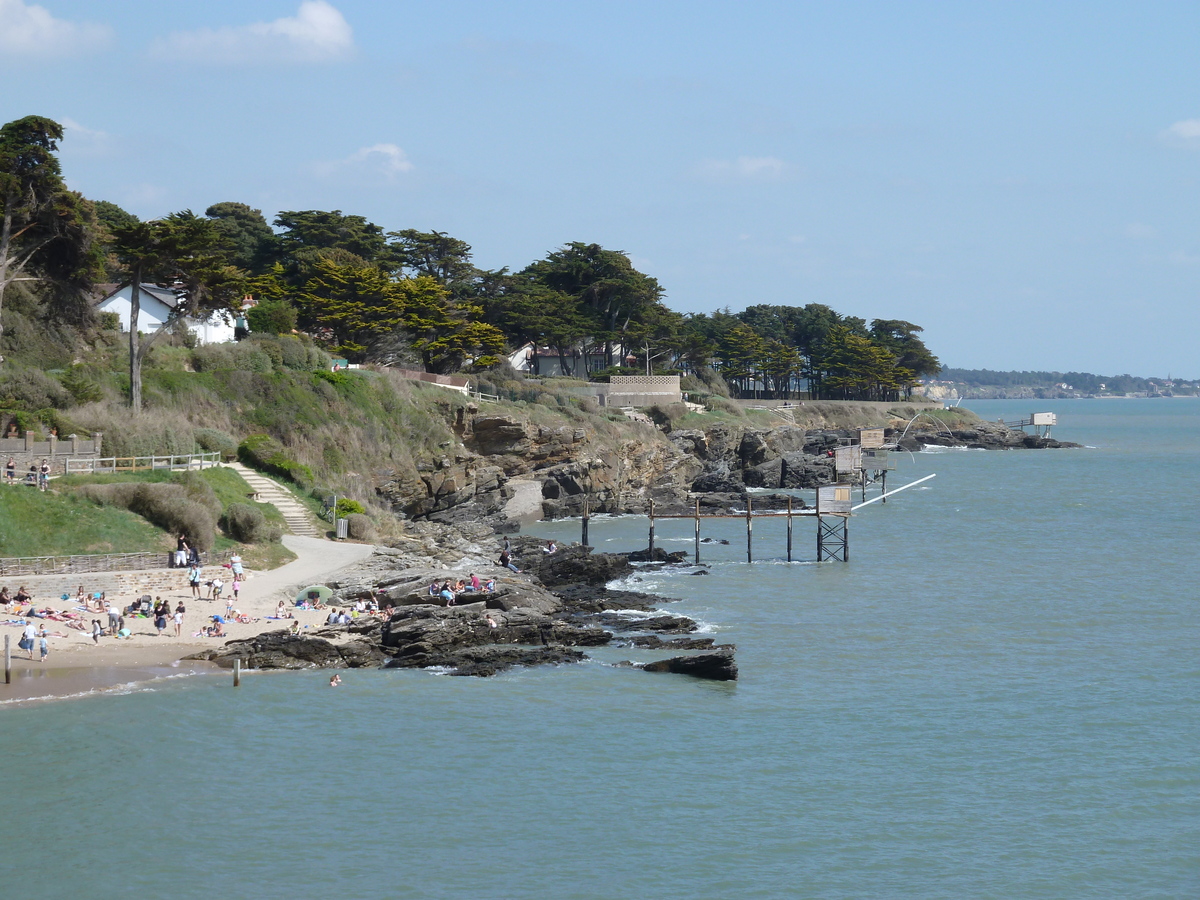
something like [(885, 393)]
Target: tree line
[(416, 298)]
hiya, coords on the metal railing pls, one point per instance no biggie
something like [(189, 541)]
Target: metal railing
[(111, 464)]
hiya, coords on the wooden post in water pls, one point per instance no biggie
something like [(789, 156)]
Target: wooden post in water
[(749, 530), (789, 529), (237, 672), (651, 531), (584, 538), (7, 659), (697, 530), (845, 539)]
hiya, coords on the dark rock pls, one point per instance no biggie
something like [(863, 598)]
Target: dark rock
[(654, 642), (283, 650), (576, 564), (662, 624), (482, 662), (660, 555), (715, 666)]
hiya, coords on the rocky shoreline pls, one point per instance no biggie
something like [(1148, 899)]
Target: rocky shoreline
[(561, 606), (548, 615)]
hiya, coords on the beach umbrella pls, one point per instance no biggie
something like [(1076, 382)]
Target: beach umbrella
[(314, 592)]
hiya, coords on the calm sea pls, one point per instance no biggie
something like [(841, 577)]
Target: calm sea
[(995, 698)]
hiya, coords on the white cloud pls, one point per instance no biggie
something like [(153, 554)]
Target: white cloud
[(1184, 133), (746, 168), (30, 30), (386, 161), (317, 33)]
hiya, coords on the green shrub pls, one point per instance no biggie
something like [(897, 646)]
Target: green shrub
[(166, 505), (31, 389), (81, 387), (347, 507), (246, 524), (272, 317), (666, 415), (359, 527), (214, 440), (263, 452), (109, 321)]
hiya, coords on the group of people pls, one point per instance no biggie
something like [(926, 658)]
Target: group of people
[(450, 590), (38, 475), (215, 587)]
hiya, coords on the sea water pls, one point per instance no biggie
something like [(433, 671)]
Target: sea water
[(996, 697)]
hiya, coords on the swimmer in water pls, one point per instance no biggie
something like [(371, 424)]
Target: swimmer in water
[(335, 681)]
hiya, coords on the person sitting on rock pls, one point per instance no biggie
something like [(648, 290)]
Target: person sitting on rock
[(550, 547), (333, 617), (447, 594), (506, 561)]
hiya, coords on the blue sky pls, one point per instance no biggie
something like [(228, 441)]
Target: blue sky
[(1021, 179)]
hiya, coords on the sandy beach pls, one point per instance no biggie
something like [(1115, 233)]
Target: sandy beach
[(76, 664)]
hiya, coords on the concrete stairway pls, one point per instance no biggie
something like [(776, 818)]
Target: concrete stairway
[(294, 514)]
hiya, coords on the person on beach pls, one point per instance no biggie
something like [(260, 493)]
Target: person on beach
[(160, 615), (475, 586), (28, 636), (5, 598), (194, 580), (181, 551), (43, 644), (217, 587), (236, 586), (179, 611), (550, 547), (506, 561), (114, 618), (95, 631), (10, 471), (44, 475), (23, 596), (235, 564), (332, 619), (447, 594), (295, 629)]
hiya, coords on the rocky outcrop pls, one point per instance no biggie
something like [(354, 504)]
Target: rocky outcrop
[(714, 666), (283, 650), (523, 623)]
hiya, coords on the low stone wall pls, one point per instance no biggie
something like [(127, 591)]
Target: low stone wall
[(126, 585), (639, 390)]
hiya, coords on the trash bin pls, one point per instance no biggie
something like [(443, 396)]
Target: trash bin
[(343, 529)]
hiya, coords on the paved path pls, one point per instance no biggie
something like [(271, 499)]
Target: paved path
[(316, 560), (298, 520)]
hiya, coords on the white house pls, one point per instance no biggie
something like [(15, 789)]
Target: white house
[(157, 303)]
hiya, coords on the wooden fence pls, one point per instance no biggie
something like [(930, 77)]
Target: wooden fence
[(117, 464), (99, 562)]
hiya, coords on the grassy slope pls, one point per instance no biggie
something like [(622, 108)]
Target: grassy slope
[(59, 523)]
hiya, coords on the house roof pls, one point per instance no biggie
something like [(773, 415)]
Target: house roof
[(160, 292)]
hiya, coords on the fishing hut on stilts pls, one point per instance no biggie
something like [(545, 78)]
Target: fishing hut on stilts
[(858, 463)]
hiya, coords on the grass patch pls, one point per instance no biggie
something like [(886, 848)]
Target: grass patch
[(58, 523)]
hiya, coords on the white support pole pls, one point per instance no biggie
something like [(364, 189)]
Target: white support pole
[(890, 493)]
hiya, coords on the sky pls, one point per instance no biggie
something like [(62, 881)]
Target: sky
[(1021, 179)]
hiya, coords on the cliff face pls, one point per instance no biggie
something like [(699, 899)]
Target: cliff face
[(621, 469)]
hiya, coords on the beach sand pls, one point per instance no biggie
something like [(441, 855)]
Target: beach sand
[(77, 665)]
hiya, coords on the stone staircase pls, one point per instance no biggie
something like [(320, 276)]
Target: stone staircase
[(294, 514)]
